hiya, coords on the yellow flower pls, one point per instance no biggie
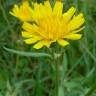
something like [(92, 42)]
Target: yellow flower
[(52, 25), (22, 12)]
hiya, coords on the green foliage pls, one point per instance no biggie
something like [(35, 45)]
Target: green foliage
[(32, 76), (28, 54)]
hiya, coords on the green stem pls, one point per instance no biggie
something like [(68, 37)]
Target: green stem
[(57, 76)]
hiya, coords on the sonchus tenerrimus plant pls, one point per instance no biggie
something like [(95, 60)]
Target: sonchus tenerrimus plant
[(44, 25)]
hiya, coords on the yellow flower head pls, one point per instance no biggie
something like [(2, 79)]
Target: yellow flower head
[(22, 11), (52, 25)]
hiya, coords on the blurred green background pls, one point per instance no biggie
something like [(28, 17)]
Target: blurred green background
[(31, 76)]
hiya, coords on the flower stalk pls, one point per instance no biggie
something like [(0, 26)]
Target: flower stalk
[(57, 78), (56, 60)]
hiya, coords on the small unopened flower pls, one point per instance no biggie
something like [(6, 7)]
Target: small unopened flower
[(22, 12), (52, 25)]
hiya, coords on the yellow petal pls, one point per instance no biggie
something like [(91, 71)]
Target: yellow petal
[(39, 45), (78, 30), (26, 34), (25, 5), (47, 43), (15, 10), (48, 7), (58, 7), (69, 14), (32, 40), (73, 36), (76, 22), (63, 42), (30, 27), (42, 43), (36, 6), (22, 12)]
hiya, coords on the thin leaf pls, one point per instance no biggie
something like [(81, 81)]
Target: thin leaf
[(61, 91), (29, 54)]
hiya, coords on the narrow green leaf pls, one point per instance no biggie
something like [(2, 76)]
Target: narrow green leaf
[(65, 64), (72, 84), (29, 54), (61, 91)]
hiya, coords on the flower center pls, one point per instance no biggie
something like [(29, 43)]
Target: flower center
[(52, 28)]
